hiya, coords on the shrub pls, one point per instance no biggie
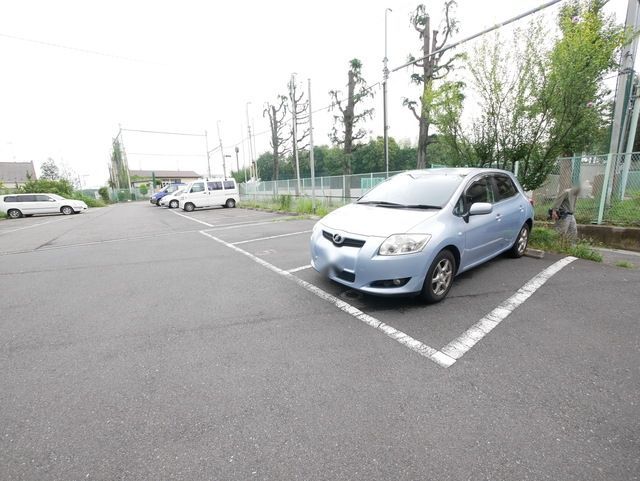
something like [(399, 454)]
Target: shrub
[(104, 194), (143, 189), (122, 195), (61, 187), (90, 201), (284, 202)]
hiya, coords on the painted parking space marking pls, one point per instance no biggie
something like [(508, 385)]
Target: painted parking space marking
[(35, 225), (298, 269), (399, 336), (193, 219), (270, 237), (459, 346), (445, 357)]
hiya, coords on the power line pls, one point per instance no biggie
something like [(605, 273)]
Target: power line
[(155, 154), (476, 35), (77, 49), (189, 134)]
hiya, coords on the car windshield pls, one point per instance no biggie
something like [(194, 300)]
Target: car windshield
[(420, 191)]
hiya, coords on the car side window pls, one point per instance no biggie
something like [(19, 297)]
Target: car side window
[(197, 187), (229, 185), (43, 198), (214, 185), (10, 198), (480, 190), (505, 187), (26, 198)]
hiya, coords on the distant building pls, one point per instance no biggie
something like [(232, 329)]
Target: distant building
[(14, 174), (163, 177)]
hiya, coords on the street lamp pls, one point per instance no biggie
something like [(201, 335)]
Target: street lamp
[(385, 76)]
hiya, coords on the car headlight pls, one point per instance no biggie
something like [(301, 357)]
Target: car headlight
[(399, 244)]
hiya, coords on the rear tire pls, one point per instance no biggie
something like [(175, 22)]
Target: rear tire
[(173, 204), (189, 207), (230, 203), (14, 214), (66, 210), (520, 245), (439, 278)]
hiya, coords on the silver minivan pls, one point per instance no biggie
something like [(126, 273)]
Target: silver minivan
[(19, 205)]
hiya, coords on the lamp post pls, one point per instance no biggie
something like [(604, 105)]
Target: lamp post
[(385, 76)]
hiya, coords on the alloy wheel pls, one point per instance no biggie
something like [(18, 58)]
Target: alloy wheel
[(442, 275)]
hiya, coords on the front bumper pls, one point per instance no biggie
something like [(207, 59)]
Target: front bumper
[(361, 267)]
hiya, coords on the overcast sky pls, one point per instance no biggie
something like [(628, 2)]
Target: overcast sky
[(185, 65)]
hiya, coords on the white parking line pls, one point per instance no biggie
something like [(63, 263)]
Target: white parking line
[(35, 225), (399, 336), (298, 269), (191, 218), (271, 237), (456, 348)]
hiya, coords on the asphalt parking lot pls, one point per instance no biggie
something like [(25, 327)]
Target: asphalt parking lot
[(143, 343)]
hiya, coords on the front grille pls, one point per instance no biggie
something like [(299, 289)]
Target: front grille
[(347, 242)]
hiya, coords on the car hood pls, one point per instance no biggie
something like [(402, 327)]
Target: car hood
[(369, 220)]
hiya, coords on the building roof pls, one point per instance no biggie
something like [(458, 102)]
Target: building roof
[(172, 174), (12, 172)]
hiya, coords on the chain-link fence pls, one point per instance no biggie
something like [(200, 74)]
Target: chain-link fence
[(338, 189), (127, 195), (610, 188)]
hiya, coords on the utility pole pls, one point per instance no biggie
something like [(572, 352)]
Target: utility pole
[(312, 163), (294, 116), (385, 76), (237, 149), (249, 139), (224, 161), (206, 143)]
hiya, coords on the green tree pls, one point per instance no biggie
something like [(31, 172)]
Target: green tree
[(49, 170), (104, 194), (535, 103), (61, 187)]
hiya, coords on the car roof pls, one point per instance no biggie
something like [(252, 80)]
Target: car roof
[(461, 171)]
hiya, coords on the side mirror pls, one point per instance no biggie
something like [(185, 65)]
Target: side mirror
[(480, 208)]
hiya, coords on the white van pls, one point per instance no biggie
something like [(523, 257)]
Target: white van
[(18, 205), (204, 193)]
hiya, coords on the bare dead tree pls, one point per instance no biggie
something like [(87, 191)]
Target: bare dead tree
[(280, 136), (432, 69), (347, 129), (299, 125)]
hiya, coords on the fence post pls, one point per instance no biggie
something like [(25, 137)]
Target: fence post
[(344, 188), (605, 188)]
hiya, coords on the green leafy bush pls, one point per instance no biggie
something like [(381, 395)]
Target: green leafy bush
[(90, 201), (104, 194), (284, 202), (61, 187), (143, 189)]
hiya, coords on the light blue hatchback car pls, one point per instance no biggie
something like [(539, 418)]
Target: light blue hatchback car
[(411, 234)]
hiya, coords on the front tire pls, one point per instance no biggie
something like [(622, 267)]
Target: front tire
[(520, 245), (14, 214), (66, 210), (230, 203), (189, 207), (173, 204), (439, 278)]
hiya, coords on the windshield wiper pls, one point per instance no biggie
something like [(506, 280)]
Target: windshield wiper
[(381, 203), (422, 206)]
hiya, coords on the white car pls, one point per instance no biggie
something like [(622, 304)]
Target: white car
[(19, 205), (204, 193), (171, 200)]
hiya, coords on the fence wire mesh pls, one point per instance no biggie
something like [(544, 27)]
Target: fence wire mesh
[(610, 189)]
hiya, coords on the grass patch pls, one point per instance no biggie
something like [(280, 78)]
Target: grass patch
[(625, 264), (3, 215), (550, 240), (287, 203), (90, 201)]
